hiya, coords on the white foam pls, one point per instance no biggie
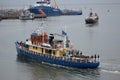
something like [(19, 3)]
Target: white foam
[(111, 71)]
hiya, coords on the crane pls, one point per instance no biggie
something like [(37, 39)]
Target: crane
[(55, 4)]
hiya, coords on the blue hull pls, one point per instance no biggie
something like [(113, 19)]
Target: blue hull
[(49, 11), (54, 60)]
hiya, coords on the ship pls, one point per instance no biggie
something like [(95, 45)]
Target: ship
[(54, 49), (92, 19), (44, 7)]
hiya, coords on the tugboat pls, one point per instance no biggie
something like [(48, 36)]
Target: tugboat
[(26, 15), (92, 19), (44, 6), (44, 48)]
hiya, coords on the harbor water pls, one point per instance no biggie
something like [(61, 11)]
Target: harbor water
[(102, 38)]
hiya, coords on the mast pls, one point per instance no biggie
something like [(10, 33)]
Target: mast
[(65, 36), (65, 42), (42, 31)]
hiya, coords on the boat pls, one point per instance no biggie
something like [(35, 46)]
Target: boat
[(26, 15), (54, 49), (92, 19), (44, 7)]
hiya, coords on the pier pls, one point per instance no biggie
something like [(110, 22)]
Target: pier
[(14, 14)]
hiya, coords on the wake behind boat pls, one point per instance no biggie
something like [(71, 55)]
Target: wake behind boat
[(44, 47)]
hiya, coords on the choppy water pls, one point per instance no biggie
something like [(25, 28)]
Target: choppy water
[(102, 38)]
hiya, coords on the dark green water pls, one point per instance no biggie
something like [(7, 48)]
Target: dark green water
[(102, 38)]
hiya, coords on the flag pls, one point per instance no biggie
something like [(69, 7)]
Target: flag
[(64, 33)]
